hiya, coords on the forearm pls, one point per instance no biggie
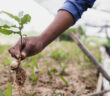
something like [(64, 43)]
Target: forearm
[(62, 21)]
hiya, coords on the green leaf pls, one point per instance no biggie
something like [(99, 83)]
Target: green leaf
[(7, 32), (25, 19), (12, 16), (7, 26), (35, 63), (1, 94), (58, 94), (8, 61), (63, 79), (14, 26), (8, 91), (54, 69), (1, 67)]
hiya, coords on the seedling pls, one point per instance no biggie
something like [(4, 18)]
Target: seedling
[(48, 68), (63, 68), (63, 79), (1, 94), (54, 70), (59, 94), (35, 63), (8, 91), (33, 76), (21, 19)]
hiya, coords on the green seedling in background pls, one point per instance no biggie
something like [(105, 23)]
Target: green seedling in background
[(1, 94), (35, 63), (8, 61), (63, 68), (33, 75), (58, 54), (63, 79), (8, 91), (76, 94), (59, 94), (54, 70), (48, 66)]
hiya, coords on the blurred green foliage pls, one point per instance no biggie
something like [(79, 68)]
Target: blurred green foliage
[(65, 36), (8, 91), (107, 43), (58, 54), (1, 94)]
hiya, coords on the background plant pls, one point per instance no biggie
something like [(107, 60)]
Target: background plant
[(8, 91)]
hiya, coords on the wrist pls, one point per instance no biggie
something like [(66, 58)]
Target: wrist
[(40, 40)]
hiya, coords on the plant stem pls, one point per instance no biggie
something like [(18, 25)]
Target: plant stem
[(20, 29), (21, 40)]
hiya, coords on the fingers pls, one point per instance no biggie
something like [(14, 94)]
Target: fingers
[(15, 51), (23, 55), (24, 52)]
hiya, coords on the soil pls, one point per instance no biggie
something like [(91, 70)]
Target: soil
[(80, 79), (50, 85)]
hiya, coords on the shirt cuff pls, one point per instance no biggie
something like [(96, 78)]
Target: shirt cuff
[(76, 8), (68, 6)]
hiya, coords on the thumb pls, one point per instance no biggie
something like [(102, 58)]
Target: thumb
[(19, 48), (23, 55)]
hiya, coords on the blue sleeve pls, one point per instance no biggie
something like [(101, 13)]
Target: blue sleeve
[(77, 7)]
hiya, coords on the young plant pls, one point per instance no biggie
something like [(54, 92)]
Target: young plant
[(54, 70), (21, 19), (1, 94), (48, 67), (64, 80), (59, 94), (8, 91), (33, 75), (63, 68), (35, 62)]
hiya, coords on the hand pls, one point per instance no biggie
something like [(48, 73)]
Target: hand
[(30, 46)]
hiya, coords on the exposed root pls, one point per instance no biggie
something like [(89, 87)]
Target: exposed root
[(20, 77)]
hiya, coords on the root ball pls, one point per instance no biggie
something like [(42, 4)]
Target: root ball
[(20, 76)]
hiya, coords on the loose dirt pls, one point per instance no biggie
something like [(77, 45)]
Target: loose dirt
[(81, 78)]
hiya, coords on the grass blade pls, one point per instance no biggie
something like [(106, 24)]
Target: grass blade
[(8, 91), (1, 94)]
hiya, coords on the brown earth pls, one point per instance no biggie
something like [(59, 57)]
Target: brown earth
[(81, 77)]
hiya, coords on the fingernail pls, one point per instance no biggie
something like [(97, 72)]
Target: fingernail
[(23, 54), (17, 56)]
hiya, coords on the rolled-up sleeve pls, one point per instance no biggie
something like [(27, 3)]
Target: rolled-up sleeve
[(77, 7)]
